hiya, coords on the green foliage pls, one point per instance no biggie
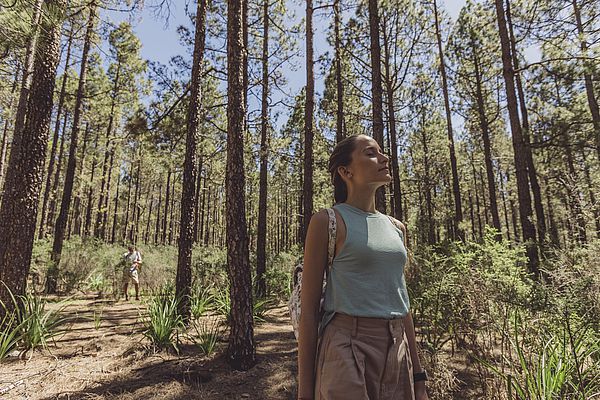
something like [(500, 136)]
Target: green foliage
[(278, 274), (10, 331), (39, 325), (551, 365), (464, 287), (205, 334), (201, 300), (162, 322), (31, 325), (97, 318)]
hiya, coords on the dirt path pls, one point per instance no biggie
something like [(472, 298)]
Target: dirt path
[(111, 362)]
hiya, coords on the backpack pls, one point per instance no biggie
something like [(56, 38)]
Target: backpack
[(294, 302)]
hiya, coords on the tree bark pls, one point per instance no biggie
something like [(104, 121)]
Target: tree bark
[(376, 91), (99, 226), (241, 351), (67, 194), (487, 147), (113, 233), (261, 256), (166, 211), (136, 198), (589, 83), (458, 214), (89, 204), (188, 192), (390, 92), (307, 182), (28, 65), (77, 205), (531, 169), (157, 223), (61, 100), (525, 211), (340, 128), (4, 146), (56, 180), (18, 213)]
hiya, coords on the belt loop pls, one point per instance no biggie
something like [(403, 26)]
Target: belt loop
[(354, 326)]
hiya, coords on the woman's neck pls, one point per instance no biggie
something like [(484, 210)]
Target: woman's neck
[(362, 200)]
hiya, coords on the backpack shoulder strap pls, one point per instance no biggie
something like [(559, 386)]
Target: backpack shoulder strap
[(332, 229), (397, 225)]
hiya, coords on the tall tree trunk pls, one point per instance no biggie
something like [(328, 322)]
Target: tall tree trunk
[(458, 214), (427, 186), (4, 145), (61, 222), (589, 83), (171, 212), (136, 196), (188, 192), (307, 182), (18, 213), (389, 86), (89, 204), (61, 100), (531, 169), (487, 147), (157, 223), (77, 215), (166, 211), (28, 66), (105, 206), (525, 212), (591, 193), (261, 256), (203, 211), (340, 130), (99, 226), (149, 219), (113, 233), (197, 209), (376, 90), (241, 351), (56, 180), (128, 206)]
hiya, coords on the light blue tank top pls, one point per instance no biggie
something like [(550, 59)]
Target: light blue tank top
[(367, 276)]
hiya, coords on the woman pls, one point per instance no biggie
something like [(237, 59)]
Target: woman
[(366, 340)]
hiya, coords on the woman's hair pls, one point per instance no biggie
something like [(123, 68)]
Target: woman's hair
[(341, 157)]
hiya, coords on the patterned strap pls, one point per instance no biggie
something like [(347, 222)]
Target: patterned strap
[(332, 229), (397, 225)]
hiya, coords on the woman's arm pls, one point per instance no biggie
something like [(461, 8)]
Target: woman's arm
[(409, 328), (315, 260)]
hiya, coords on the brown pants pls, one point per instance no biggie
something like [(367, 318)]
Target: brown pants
[(364, 358)]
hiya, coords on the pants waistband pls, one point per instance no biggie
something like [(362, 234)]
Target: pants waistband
[(369, 326)]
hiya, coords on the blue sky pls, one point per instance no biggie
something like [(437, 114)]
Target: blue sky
[(160, 42)]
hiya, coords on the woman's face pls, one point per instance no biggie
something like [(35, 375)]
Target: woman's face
[(369, 165)]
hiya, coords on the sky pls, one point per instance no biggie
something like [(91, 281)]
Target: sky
[(160, 42)]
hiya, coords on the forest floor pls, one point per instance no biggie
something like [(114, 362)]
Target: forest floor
[(113, 361)]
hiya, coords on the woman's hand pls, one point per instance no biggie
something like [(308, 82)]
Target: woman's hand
[(420, 392)]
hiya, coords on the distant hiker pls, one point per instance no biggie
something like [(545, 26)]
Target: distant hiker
[(363, 344), (132, 266)]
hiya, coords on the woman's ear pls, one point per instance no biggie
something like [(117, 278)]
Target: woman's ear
[(344, 172)]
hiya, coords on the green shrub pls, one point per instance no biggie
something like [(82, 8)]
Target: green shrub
[(551, 365), (38, 325), (278, 274), (162, 322), (205, 334), (201, 300), (10, 334)]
